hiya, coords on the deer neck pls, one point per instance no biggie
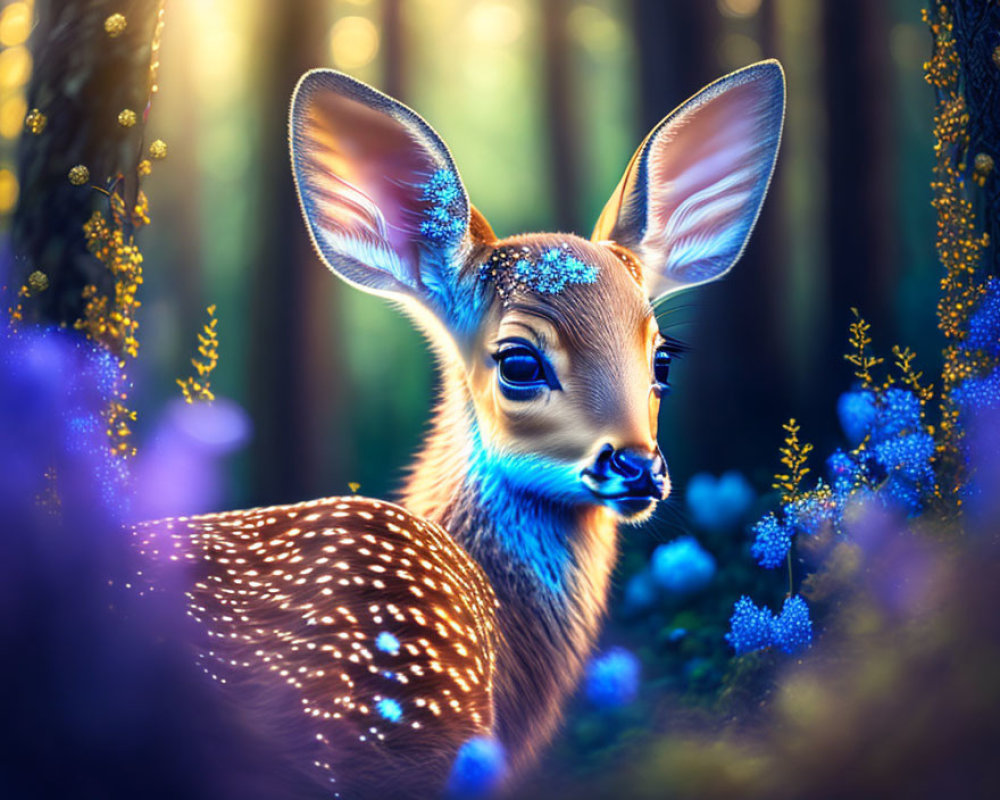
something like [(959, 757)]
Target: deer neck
[(549, 565)]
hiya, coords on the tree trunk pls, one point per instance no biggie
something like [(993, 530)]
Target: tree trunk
[(296, 374), (83, 79), (977, 40), (559, 93)]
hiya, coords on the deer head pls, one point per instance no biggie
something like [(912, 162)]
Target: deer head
[(555, 335)]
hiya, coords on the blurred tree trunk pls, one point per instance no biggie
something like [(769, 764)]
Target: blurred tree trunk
[(860, 224), (297, 395), (83, 77), (394, 51), (677, 52), (563, 150), (977, 40), (737, 323)]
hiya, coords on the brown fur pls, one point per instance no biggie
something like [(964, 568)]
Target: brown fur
[(292, 599)]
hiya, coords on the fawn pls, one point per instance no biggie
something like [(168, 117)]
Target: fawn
[(381, 637)]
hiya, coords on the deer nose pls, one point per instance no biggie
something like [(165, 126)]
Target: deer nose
[(629, 472)]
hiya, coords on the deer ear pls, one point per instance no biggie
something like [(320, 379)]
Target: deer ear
[(692, 192), (383, 202)]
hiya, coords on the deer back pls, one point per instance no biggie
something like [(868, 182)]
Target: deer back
[(359, 633)]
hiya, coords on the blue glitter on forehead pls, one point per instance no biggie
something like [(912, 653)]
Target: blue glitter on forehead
[(548, 273), (443, 221), (387, 643)]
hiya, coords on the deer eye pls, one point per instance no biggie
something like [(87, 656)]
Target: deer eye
[(661, 367), (522, 371)]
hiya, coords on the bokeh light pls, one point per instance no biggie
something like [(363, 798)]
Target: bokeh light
[(354, 42), (15, 67), (737, 50), (494, 22), (595, 30), (15, 24), (12, 113), (739, 8), (8, 191)]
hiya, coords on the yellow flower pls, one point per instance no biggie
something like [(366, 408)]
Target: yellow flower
[(127, 118), (115, 25), (158, 149), (38, 281), (35, 121), (79, 175)]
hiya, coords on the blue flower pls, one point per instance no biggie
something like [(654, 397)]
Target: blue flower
[(984, 324), (843, 471), (750, 627), (792, 630), (640, 592), (772, 540), (718, 504), (809, 513), (978, 394), (612, 679), (856, 411), (478, 768), (898, 412), (899, 492), (909, 455), (682, 566)]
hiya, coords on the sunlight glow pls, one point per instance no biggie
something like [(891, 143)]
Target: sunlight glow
[(739, 8), (15, 67), (494, 22), (15, 24), (354, 42), (8, 191), (12, 113)]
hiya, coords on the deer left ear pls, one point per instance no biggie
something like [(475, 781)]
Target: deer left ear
[(381, 196), (693, 190)]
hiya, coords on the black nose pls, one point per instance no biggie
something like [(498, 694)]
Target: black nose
[(629, 472)]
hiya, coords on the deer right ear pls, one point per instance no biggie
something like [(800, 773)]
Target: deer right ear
[(692, 192), (383, 202)]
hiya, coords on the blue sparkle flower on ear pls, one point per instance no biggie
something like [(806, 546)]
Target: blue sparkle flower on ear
[(442, 223)]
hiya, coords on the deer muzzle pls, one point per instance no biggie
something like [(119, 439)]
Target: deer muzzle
[(630, 479)]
